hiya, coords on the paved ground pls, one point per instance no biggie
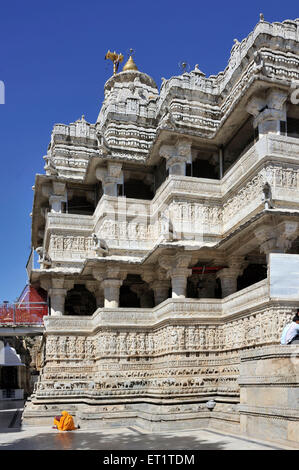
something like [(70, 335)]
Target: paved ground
[(13, 437)]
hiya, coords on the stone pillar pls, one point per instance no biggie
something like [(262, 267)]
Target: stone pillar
[(161, 290), (110, 177), (177, 156), (109, 281), (58, 196), (229, 276), (179, 281), (177, 270), (228, 279), (268, 112), (111, 292), (276, 239), (57, 295)]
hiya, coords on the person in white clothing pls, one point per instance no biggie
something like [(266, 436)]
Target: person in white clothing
[(290, 333)]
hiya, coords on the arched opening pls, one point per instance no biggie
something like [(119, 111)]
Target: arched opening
[(136, 293), (80, 301), (80, 205), (82, 200), (128, 298), (138, 185), (252, 274), (137, 189), (203, 282), (205, 164)]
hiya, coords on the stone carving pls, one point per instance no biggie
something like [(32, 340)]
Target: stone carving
[(155, 360)]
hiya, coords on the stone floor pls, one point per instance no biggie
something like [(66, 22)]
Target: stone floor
[(14, 437)]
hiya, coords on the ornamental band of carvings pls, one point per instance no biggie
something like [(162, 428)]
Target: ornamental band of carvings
[(188, 217), (256, 329)]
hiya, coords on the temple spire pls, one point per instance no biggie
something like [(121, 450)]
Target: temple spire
[(130, 64)]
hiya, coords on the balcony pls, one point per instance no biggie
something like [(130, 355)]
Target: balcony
[(203, 210), (245, 318), (207, 310)]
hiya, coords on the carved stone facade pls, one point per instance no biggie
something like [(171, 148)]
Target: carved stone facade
[(155, 228)]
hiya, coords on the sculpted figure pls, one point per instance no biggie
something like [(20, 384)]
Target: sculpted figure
[(267, 196), (100, 246)]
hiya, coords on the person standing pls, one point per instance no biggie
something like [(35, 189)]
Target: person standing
[(290, 333)]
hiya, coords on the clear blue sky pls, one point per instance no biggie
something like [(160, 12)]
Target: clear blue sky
[(52, 64)]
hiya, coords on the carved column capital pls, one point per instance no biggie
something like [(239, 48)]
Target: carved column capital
[(171, 262), (229, 276), (110, 177), (148, 276), (98, 274), (59, 188), (177, 155), (268, 111), (276, 239), (46, 284), (58, 283), (176, 267)]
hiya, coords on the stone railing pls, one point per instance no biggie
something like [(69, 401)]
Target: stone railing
[(195, 208), (73, 223), (179, 325), (214, 311), (81, 128), (251, 297)]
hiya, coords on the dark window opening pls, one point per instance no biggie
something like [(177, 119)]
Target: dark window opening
[(283, 127), (189, 169), (239, 144), (127, 298), (203, 286), (120, 190), (79, 205), (204, 169), (293, 127), (135, 293), (252, 274), (79, 301), (137, 189), (9, 377), (160, 173)]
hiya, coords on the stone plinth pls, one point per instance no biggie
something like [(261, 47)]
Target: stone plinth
[(269, 394)]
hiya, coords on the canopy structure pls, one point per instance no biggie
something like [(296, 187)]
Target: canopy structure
[(32, 295), (9, 356)]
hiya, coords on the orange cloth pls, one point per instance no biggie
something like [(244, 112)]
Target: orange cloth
[(66, 422)]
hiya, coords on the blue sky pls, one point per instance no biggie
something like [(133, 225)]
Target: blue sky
[(52, 64)]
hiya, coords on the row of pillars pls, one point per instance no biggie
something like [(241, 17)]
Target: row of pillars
[(107, 289), (268, 112), (173, 271)]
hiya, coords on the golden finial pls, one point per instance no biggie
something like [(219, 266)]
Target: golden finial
[(116, 59), (130, 65)]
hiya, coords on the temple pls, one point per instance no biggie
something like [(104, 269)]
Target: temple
[(165, 232)]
